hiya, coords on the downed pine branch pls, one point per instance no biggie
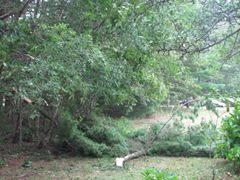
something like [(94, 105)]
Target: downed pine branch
[(121, 160)]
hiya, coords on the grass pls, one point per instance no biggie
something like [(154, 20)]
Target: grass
[(45, 166), (104, 168)]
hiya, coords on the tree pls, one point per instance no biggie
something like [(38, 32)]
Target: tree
[(86, 57)]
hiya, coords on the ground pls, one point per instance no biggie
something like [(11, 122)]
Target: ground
[(43, 165), (97, 169)]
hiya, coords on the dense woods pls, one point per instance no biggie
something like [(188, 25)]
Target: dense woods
[(68, 67)]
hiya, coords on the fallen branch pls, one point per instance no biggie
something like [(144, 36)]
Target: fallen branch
[(120, 161)]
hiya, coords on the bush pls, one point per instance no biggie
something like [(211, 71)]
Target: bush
[(152, 174), (229, 146), (140, 110)]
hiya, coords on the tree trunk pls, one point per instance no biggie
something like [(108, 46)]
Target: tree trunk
[(18, 132)]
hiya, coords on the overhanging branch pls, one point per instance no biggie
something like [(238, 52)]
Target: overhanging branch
[(217, 42)]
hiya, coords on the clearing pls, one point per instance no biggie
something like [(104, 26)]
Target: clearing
[(43, 165)]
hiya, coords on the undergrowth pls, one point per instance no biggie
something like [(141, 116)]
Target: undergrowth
[(99, 136), (153, 174), (228, 145), (176, 140), (95, 136)]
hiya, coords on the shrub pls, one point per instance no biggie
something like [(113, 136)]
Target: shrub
[(152, 174), (229, 146), (142, 110)]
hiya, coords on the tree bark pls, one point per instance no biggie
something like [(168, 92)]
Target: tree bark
[(18, 132)]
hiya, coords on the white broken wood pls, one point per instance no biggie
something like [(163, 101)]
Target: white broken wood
[(120, 161)]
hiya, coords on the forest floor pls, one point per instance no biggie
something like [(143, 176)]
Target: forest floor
[(43, 165)]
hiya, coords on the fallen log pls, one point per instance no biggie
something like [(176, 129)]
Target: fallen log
[(120, 161)]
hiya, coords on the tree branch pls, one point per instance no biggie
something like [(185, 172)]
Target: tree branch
[(21, 11), (217, 42), (99, 25), (6, 15), (120, 161), (36, 9)]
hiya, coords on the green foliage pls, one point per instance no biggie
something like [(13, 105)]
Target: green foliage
[(196, 135), (139, 133), (141, 111), (152, 174), (97, 139), (175, 140), (57, 68), (206, 133), (171, 142), (72, 139), (106, 132), (229, 145), (2, 163), (26, 164), (113, 57)]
